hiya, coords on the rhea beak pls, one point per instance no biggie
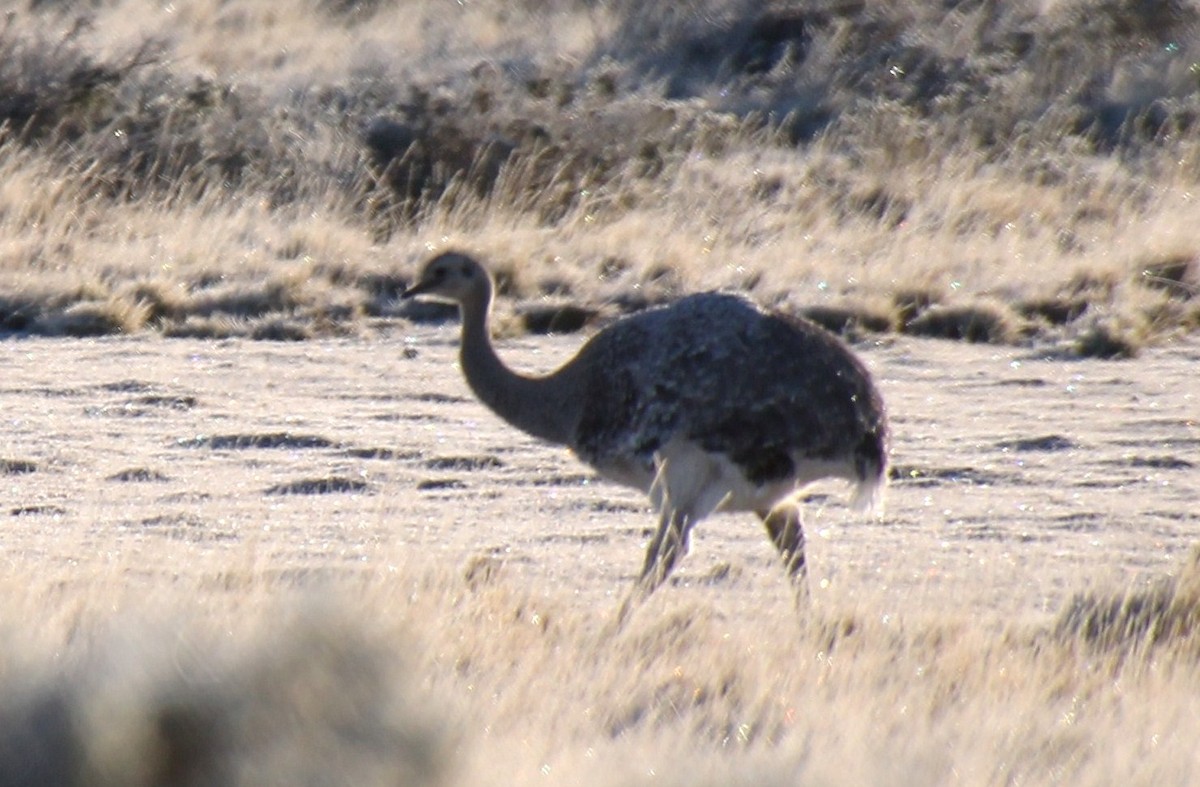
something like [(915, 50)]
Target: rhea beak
[(416, 289)]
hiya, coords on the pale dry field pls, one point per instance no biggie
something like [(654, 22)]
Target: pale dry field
[(170, 500), (214, 169), (285, 545)]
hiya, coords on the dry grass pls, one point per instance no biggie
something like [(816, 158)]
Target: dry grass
[(304, 699), (508, 683), (225, 169), (825, 155), (236, 562), (987, 321)]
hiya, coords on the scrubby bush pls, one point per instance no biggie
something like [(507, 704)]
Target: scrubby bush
[(656, 134)]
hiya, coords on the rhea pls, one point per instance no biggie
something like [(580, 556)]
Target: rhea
[(709, 403)]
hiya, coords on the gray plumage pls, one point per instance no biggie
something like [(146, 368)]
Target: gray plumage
[(715, 369), (708, 403)]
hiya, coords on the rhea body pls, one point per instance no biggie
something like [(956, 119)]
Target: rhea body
[(707, 404)]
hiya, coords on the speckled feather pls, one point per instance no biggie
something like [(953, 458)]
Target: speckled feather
[(758, 387)]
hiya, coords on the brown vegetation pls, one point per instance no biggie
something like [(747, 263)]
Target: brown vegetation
[(824, 154), (236, 562), (315, 560)]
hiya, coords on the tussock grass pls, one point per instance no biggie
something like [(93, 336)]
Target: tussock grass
[(224, 168), (319, 486), (93, 318), (176, 509), (987, 321), (1110, 337), (255, 683), (1164, 616), (1175, 274), (309, 700), (566, 318), (1122, 332), (818, 154), (17, 466), (853, 319), (220, 327)]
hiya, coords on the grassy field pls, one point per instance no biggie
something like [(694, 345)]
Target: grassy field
[(184, 186), (967, 171), (323, 562)]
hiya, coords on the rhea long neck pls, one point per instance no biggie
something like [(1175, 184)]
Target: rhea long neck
[(544, 407)]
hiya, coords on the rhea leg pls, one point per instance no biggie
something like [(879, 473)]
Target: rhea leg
[(686, 489), (786, 530), (670, 543)]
